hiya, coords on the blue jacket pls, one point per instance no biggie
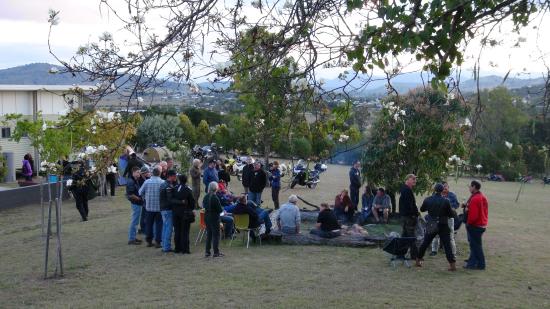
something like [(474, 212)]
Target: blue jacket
[(275, 179), (210, 174), (453, 200)]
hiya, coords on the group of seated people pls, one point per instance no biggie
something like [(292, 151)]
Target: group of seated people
[(376, 203)]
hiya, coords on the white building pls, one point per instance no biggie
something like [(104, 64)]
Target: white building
[(29, 100)]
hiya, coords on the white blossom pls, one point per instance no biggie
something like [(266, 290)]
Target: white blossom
[(92, 169), (479, 166), (44, 126), (508, 144), (467, 123), (402, 143), (90, 150), (343, 138), (139, 99), (69, 182), (82, 155), (101, 148)]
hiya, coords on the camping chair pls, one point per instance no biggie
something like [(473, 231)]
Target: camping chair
[(241, 224), (202, 228), (397, 247)]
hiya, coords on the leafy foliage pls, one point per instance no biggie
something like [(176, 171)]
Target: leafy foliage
[(416, 134), (159, 129)]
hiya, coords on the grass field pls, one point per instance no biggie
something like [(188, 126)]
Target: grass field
[(101, 270)]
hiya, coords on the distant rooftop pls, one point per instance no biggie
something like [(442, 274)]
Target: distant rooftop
[(44, 87)]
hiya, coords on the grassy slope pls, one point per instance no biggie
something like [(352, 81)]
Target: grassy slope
[(102, 271)]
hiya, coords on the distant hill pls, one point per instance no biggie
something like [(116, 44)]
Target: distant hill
[(38, 74)]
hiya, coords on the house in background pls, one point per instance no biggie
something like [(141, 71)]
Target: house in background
[(30, 100)]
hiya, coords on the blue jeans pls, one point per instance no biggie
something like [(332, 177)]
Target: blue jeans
[(142, 224), (255, 197), (166, 230), (153, 226), (264, 218), (227, 225), (134, 221), (477, 258)]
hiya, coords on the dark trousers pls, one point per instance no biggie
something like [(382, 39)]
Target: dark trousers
[(477, 258), (111, 182), (354, 195), (445, 235), (81, 199), (181, 233), (212, 235), (153, 220), (275, 196), (142, 219), (409, 230)]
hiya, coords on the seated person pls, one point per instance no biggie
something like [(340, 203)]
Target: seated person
[(381, 203), (288, 217), (366, 201), (244, 208), (343, 207), (230, 208), (327, 225), (263, 215)]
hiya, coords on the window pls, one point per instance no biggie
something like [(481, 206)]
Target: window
[(6, 132)]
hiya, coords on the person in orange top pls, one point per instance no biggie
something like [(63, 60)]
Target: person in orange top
[(477, 214)]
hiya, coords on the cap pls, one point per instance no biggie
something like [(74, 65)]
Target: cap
[(144, 170), (438, 188)]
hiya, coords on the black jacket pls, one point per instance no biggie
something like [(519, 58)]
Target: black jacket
[(131, 164), (407, 203), (132, 191), (165, 191), (247, 174), (354, 178), (223, 175), (439, 208), (180, 197), (258, 181), (254, 220)]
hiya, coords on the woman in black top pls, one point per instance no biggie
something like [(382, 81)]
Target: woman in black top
[(223, 174), (181, 199), (212, 211)]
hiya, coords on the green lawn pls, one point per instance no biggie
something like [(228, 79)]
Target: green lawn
[(103, 271)]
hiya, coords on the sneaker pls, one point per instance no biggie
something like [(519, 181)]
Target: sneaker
[(134, 242), (434, 253), (219, 255)]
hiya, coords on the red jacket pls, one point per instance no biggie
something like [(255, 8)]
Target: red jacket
[(478, 210)]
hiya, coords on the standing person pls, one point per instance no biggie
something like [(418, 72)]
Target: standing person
[(248, 169), (136, 202), (454, 205), (258, 181), (288, 216), (223, 174), (355, 183), (409, 211), (210, 174), (26, 168), (195, 173), (164, 166), (440, 211), (182, 201), (275, 179), (145, 174), (150, 192), (79, 188), (170, 164), (212, 210), (133, 161), (477, 214), (110, 179), (166, 189)]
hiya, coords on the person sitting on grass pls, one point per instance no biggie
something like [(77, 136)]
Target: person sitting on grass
[(343, 207), (327, 225), (366, 202), (381, 203), (288, 217)]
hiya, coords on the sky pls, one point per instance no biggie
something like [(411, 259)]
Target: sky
[(24, 34)]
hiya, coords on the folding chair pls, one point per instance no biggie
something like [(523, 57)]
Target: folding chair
[(202, 228), (397, 247), (241, 224)]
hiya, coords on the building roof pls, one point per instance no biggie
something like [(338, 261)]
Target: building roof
[(44, 87)]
